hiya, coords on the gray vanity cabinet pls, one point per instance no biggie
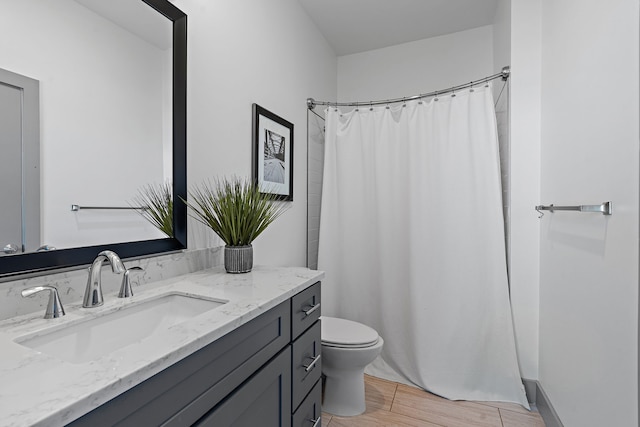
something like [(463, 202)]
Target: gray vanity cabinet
[(266, 373)]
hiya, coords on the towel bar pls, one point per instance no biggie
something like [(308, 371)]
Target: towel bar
[(604, 208)]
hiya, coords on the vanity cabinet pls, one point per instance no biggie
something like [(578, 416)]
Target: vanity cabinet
[(266, 372)]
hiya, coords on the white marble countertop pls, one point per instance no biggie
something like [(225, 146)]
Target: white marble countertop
[(37, 389)]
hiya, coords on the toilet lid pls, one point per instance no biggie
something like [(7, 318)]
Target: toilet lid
[(346, 333)]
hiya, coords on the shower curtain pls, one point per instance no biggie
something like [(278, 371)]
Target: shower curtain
[(412, 241)]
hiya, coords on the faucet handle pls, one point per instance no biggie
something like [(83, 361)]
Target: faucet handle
[(54, 307), (125, 288)]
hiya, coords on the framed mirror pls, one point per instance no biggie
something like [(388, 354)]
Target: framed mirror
[(111, 88)]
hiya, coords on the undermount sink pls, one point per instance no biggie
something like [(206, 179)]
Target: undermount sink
[(89, 340)]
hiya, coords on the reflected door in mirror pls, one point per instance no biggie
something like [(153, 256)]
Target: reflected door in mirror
[(10, 169)]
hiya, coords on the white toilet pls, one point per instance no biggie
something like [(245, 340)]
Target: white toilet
[(347, 348)]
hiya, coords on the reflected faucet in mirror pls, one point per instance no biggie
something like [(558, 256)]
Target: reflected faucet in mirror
[(10, 249), (93, 293), (14, 249)]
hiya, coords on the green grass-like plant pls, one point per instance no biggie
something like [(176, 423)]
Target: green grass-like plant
[(234, 208), (155, 203)]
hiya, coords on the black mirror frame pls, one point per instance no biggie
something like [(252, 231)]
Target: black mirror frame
[(13, 265)]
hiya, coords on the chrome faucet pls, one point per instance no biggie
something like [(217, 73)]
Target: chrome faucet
[(93, 292)]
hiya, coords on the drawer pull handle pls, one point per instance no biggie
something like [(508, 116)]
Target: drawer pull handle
[(311, 365), (311, 309), (315, 422)]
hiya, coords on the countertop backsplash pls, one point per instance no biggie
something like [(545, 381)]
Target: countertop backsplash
[(71, 283)]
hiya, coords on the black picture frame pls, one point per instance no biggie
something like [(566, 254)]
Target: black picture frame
[(272, 153)]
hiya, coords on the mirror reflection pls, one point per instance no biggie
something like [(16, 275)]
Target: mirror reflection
[(104, 114)]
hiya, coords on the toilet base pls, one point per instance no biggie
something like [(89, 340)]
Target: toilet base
[(344, 393)]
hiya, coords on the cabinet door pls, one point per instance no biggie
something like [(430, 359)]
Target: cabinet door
[(264, 400)]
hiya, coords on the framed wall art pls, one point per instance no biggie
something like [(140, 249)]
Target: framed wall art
[(272, 153)]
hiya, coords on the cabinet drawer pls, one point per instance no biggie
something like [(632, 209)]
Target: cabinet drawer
[(306, 364), (309, 412), (305, 309)]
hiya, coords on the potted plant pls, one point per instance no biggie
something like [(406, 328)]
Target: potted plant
[(238, 212), (155, 203)]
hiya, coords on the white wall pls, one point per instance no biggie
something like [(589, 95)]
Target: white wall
[(94, 137), (315, 164), (518, 120), (501, 37), (501, 95), (525, 179), (242, 52), (416, 67), (589, 262)]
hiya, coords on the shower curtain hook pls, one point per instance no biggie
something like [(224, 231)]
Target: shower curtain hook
[(471, 89), (436, 97), (370, 105), (540, 212)]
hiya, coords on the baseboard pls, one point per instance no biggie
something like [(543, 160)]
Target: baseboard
[(537, 396)]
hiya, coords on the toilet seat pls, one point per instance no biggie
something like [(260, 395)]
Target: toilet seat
[(342, 333)]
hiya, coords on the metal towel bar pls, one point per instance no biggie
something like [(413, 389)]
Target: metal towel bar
[(604, 208), (76, 208)]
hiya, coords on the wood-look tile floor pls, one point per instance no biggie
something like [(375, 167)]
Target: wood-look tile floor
[(392, 404)]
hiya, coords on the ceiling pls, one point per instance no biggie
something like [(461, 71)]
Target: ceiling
[(352, 26)]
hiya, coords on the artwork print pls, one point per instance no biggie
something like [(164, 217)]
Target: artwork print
[(274, 152)]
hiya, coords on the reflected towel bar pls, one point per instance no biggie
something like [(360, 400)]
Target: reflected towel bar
[(76, 208), (604, 208)]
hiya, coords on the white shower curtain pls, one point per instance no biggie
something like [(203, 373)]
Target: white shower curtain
[(412, 241)]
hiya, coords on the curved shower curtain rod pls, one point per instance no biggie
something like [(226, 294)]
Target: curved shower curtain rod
[(503, 74)]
